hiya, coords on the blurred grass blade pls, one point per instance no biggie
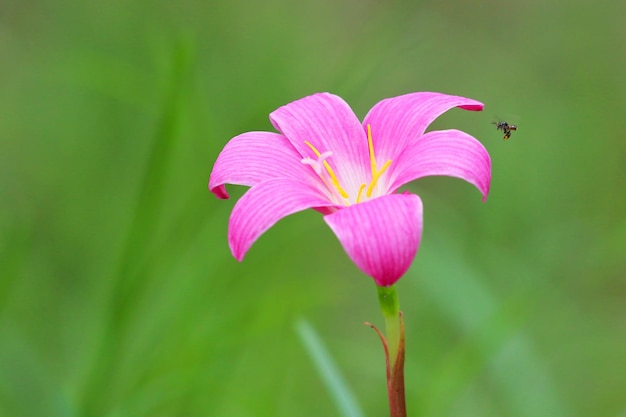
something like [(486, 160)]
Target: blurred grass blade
[(132, 272), (339, 390)]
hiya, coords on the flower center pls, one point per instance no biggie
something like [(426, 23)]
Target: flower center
[(328, 172)]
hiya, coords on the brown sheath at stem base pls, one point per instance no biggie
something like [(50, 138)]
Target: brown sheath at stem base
[(395, 376)]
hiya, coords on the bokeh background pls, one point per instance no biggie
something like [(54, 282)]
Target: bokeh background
[(118, 293)]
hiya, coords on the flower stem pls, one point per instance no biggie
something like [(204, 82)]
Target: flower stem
[(390, 307), (394, 349)]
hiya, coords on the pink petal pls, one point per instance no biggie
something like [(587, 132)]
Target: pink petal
[(381, 236), (266, 203), (443, 152), (398, 121), (254, 157), (329, 124)]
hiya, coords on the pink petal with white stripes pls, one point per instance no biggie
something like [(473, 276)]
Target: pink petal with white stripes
[(381, 236), (398, 121), (443, 152), (265, 204), (329, 124), (254, 157)]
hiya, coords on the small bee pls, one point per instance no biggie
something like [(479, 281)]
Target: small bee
[(505, 127)]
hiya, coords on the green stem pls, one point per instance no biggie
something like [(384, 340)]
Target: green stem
[(390, 307), (394, 349)]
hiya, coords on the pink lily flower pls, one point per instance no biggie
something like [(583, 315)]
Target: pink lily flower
[(326, 159)]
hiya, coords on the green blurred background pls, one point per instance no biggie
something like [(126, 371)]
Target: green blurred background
[(118, 293)]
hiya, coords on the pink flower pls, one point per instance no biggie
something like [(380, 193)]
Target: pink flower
[(325, 159)]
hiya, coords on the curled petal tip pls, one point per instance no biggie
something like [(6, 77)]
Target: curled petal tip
[(477, 106), (219, 192)]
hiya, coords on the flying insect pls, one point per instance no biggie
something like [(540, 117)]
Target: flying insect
[(505, 127)]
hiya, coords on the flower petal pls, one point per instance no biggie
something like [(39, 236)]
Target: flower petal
[(254, 157), (398, 121), (443, 152), (382, 235), (329, 124), (266, 203)]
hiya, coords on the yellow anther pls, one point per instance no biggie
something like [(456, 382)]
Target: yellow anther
[(330, 171), (358, 197)]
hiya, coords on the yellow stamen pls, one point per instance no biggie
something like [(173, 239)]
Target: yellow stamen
[(375, 178), (375, 172), (358, 197), (370, 143), (330, 171)]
